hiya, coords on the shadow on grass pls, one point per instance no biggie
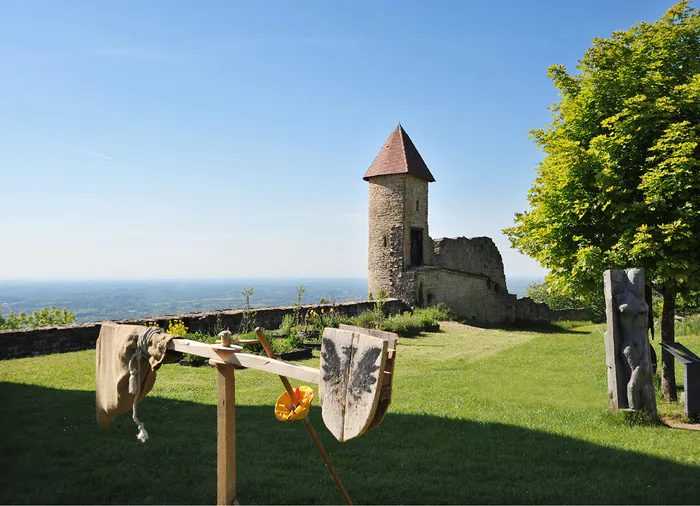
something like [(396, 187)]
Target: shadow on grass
[(532, 326), (53, 452)]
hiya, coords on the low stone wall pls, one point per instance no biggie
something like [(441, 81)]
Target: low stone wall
[(527, 310), (574, 314), (82, 336)]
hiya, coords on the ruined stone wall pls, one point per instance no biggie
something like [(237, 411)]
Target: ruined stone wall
[(478, 256), (386, 232), (524, 310), (471, 297), (579, 314), (82, 336), (475, 298)]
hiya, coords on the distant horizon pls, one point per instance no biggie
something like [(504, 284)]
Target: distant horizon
[(100, 300), (231, 278)]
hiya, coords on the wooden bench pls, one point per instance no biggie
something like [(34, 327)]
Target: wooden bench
[(691, 378)]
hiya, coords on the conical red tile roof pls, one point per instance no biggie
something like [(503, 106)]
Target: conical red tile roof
[(399, 156)]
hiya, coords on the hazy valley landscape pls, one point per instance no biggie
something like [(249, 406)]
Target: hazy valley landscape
[(113, 300)]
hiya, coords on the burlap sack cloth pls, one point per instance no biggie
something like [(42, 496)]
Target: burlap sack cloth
[(115, 347)]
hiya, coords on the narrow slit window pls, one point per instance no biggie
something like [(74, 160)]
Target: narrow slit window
[(417, 204), (386, 241)]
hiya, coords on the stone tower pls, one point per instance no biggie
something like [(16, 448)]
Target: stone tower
[(398, 215)]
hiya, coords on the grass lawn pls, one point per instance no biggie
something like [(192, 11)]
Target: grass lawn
[(478, 416)]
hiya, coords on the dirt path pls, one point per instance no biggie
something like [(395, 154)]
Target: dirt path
[(675, 424), (457, 325)]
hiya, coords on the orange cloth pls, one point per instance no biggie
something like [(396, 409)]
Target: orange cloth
[(304, 395)]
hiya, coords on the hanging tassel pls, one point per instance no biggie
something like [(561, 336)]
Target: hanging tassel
[(142, 435)]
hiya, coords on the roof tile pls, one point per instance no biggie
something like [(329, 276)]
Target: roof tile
[(399, 156)]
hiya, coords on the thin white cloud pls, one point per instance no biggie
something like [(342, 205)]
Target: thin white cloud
[(68, 146)]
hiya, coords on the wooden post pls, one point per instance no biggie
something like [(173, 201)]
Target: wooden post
[(226, 437)]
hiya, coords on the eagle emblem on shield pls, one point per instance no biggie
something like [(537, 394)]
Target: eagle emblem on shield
[(354, 379)]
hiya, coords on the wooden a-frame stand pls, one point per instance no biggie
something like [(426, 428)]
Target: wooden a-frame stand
[(367, 414), (226, 436), (227, 360)]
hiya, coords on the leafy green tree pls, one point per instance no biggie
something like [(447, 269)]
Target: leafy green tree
[(620, 182), (688, 304)]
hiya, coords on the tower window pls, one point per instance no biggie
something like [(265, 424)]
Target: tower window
[(417, 204), (386, 241)]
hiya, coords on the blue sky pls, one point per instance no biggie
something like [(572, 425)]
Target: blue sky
[(210, 139)]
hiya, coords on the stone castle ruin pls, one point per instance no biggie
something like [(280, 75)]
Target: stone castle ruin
[(405, 262)]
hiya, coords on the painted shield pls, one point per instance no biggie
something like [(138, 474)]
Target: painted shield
[(352, 374)]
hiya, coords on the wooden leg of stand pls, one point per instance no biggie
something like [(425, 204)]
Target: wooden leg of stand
[(226, 437)]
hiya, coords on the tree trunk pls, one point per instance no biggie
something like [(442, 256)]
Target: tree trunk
[(668, 335)]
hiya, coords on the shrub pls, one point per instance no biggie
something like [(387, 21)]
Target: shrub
[(438, 312), (409, 323), (369, 319), (298, 318), (688, 327), (248, 318), (45, 317), (177, 328), (287, 325), (294, 341), (330, 318)]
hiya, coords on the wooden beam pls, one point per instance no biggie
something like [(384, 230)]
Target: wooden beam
[(299, 372), (233, 356), (226, 437), (215, 351)]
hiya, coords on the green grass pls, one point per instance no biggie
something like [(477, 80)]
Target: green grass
[(689, 326), (478, 417)]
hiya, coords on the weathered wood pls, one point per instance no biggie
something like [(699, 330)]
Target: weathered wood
[(233, 355), (617, 385), (683, 354), (628, 351), (386, 389), (226, 436), (215, 351), (352, 370), (299, 372), (335, 372), (388, 336)]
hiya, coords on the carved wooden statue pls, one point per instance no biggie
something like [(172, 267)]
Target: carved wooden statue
[(627, 347)]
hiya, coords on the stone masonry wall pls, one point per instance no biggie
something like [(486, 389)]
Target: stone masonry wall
[(386, 232), (82, 336), (474, 298), (469, 296), (572, 314), (416, 216), (478, 255)]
